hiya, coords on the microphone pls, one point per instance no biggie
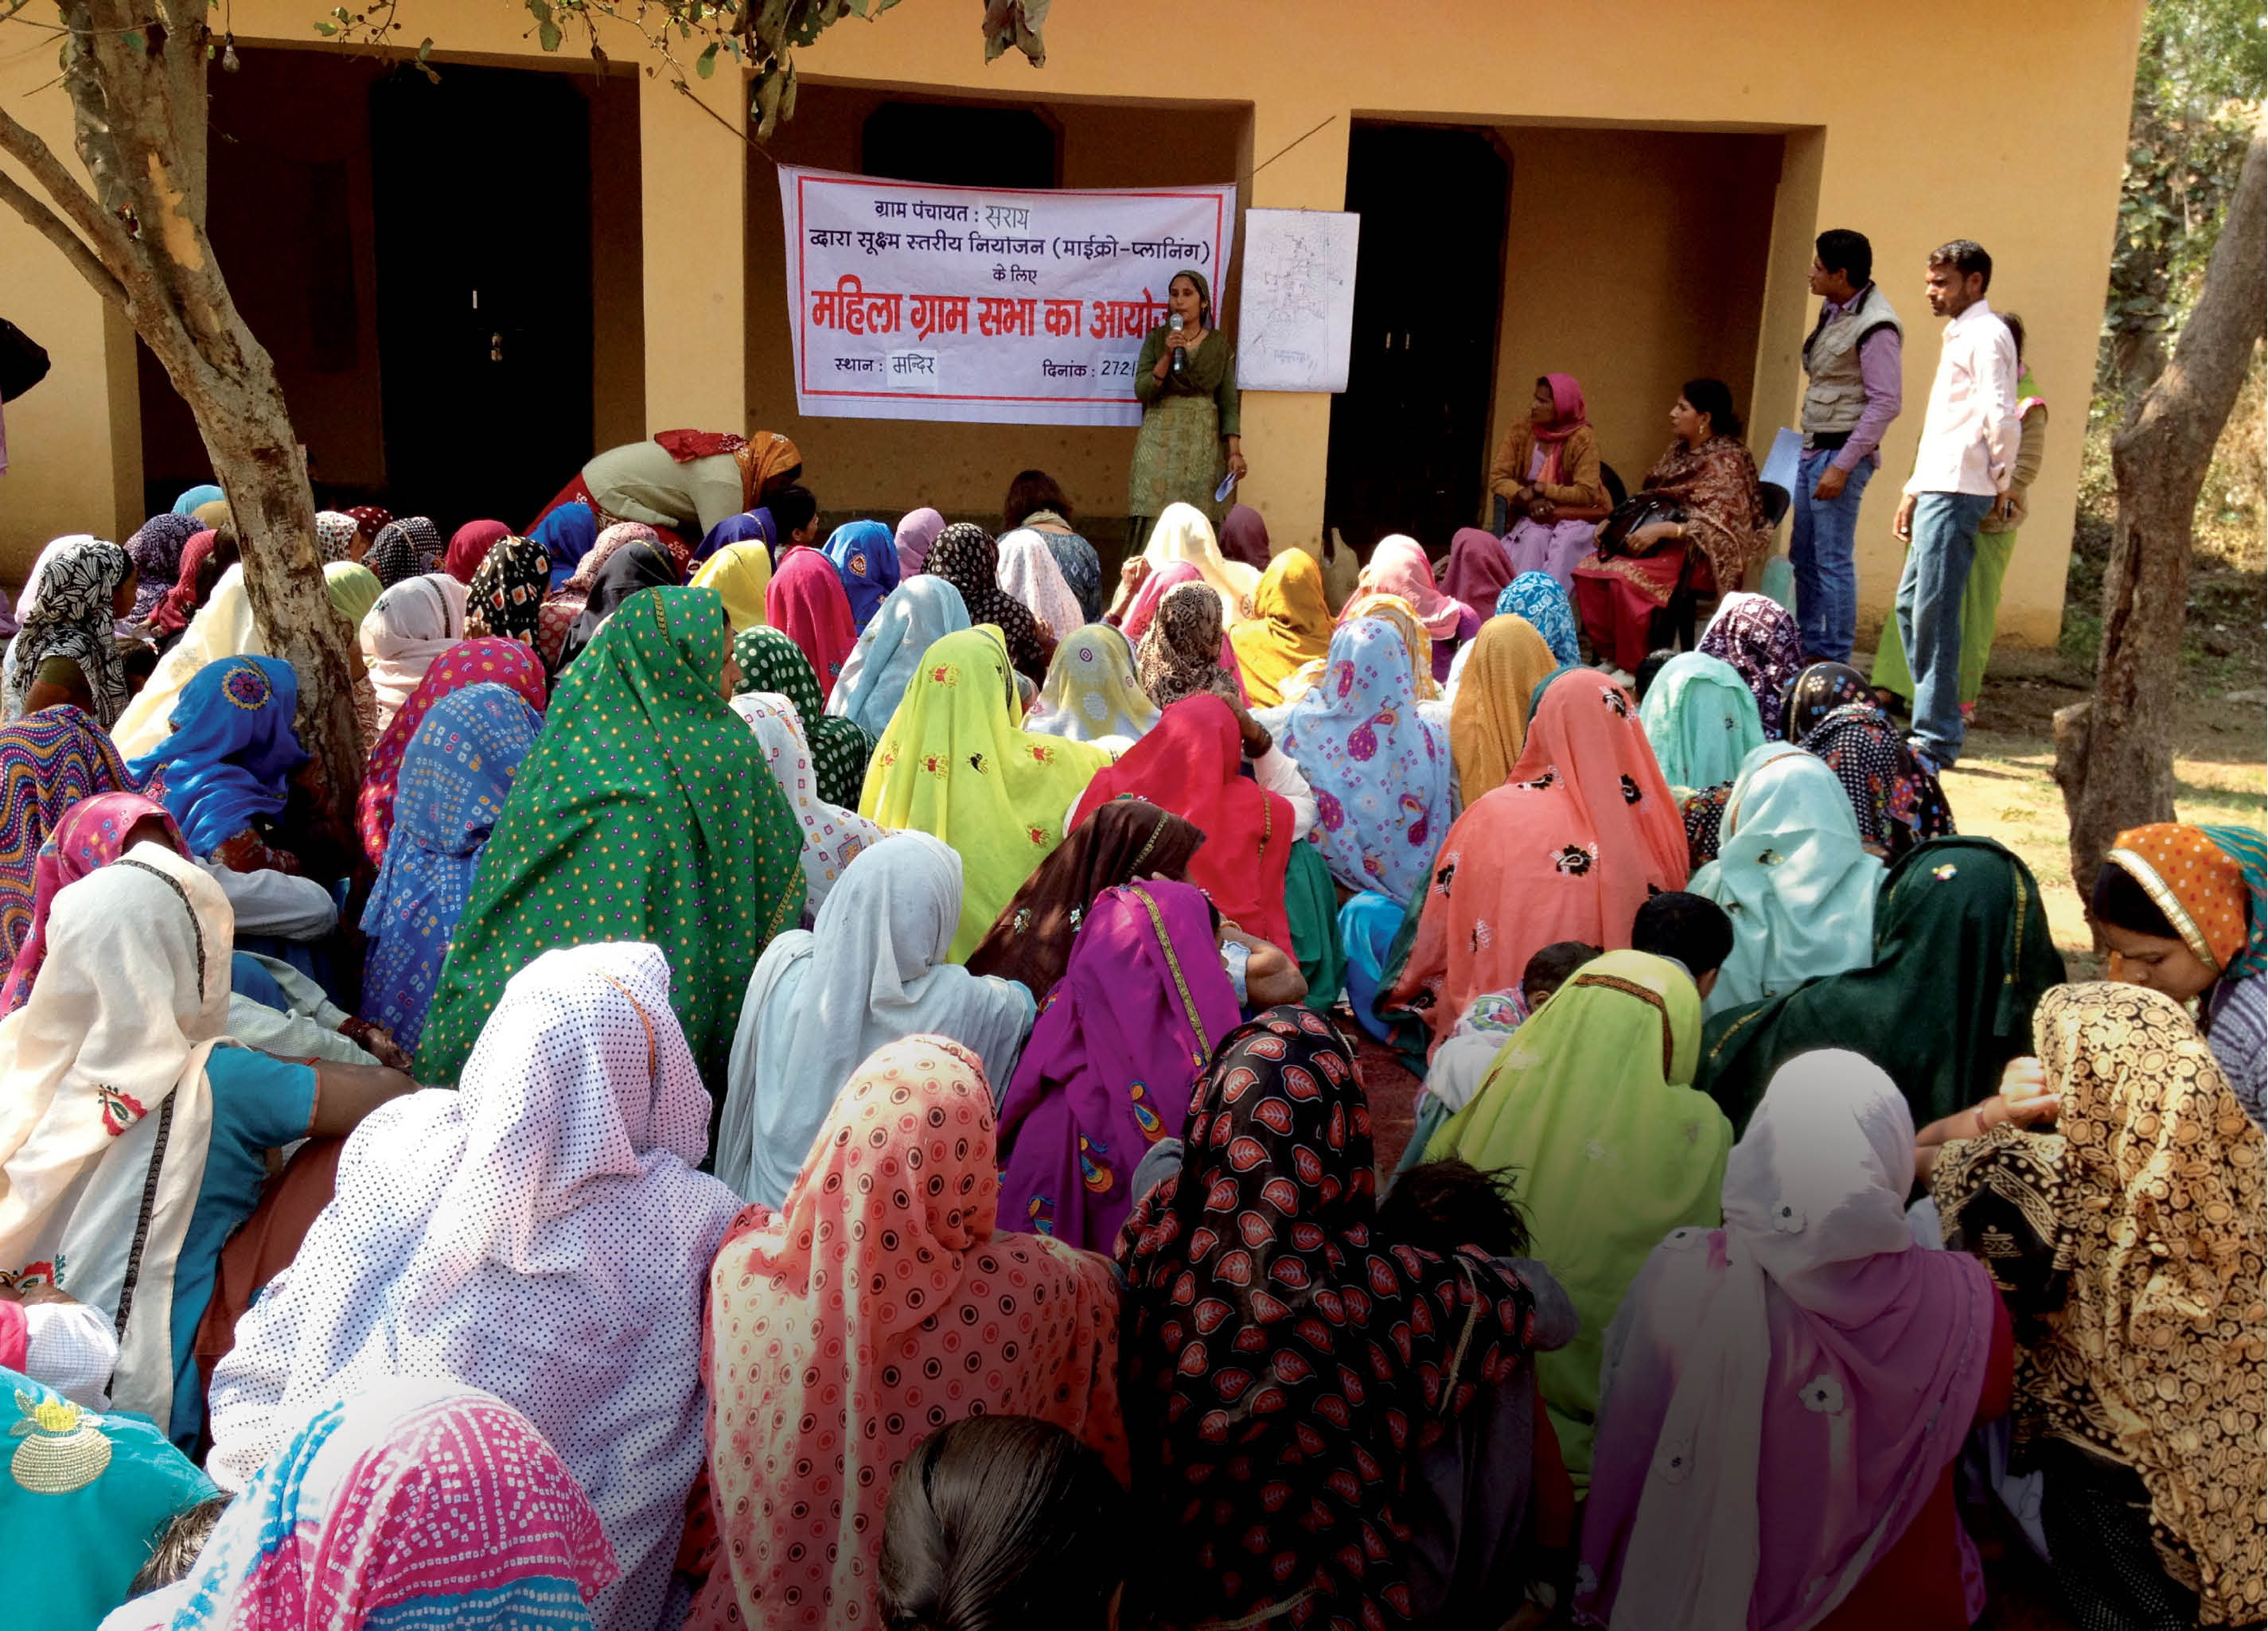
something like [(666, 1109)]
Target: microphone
[(1180, 357)]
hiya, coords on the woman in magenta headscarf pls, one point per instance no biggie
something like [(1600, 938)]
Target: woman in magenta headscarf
[(1107, 1073), (1399, 567), (1547, 472), (918, 529), (469, 546), (805, 600)]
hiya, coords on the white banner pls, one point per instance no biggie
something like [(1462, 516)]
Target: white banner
[(909, 301)]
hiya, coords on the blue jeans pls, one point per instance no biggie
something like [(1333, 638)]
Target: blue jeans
[(1821, 541), (1929, 612)]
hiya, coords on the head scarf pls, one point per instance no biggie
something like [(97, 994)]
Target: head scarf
[(215, 515), (1028, 571), (66, 613), (1144, 608), (156, 551), (953, 763), (1182, 652), (806, 602), (1962, 952), (1125, 841), (747, 526), (1701, 717), (920, 612), (398, 551), (642, 771), (1283, 1357), (1110, 1065), (541, 1231), (1244, 536), (507, 596), (832, 835), (1488, 719), (413, 623), (1378, 769), (1399, 567), (91, 833), (870, 970), (1758, 636), (485, 661), (1809, 1369), (865, 558), (1182, 533), (369, 519), (2207, 880), (633, 565), (1537, 597), (1091, 691), (454, 778), (742, 574), (1894, 796), (177, 605), (353, 589), (965, 556), (132, 996), (231, 752), (422, 1500), (1479, 569), (918, 529), (1290, 628), (469, 546), (1792, 875), (1414, 641), (769, 461), (566, 535), (1569, 414), (222, 628), (2138, 1221), (1599, 1079), (335, 533), (870, 1310), (195, 498), (1188, 764), (619, 535), (49, 761), (1569, 848), (840, 748)]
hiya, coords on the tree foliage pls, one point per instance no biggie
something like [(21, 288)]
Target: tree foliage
[(2198, 84), (693, 36)]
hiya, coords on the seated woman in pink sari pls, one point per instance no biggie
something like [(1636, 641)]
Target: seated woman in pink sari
[(1708, 475), (1108, 1070), (1547, 472)]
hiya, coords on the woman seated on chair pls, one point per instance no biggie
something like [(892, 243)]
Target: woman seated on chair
[(1707, 482), (1547, 472)]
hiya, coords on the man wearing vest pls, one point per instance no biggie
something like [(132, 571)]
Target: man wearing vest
[(1852, 360), (1964, 463)]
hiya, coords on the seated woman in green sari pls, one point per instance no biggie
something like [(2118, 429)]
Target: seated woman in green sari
[(1189, 435)]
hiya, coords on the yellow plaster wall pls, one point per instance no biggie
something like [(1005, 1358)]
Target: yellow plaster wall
[(1908, 151)]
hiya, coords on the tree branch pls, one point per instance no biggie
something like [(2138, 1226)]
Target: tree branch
[(24, 146), (57, 231)]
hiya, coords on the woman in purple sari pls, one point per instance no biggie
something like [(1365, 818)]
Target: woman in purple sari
[(1112, 1061)]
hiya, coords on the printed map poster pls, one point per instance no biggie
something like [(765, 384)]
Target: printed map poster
[(911, 301), (1295, 319)]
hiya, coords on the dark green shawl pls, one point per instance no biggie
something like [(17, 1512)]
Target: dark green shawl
[(1962, 956), (645, 812)]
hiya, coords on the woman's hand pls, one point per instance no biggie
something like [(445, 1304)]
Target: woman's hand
[(1180, 339), (1654, 532), (1542, 512), (2025, 1097), (1047, 629), (1236, 463)]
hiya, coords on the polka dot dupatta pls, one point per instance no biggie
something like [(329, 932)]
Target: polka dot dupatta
[(646, 812), (876, 1307)]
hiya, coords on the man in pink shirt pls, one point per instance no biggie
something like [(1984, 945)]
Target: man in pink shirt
[(1963, 463)]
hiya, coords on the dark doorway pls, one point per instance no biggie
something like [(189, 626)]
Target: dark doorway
[(1409, 433), (482, 189)]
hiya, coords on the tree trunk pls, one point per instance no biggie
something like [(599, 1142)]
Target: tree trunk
[(2114, 752)]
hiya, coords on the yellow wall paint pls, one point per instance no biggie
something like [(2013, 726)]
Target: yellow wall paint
[(1907, 150)]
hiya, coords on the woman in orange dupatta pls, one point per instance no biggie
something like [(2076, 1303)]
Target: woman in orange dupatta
[(1568, 850)]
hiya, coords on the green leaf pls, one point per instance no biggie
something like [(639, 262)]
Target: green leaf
[(548, 34), (705, 64), (327, 29)]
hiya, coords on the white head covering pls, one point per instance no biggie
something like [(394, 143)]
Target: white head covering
[(102, 1079), (1182, 533), (1028, 571), (831, 834), (871, 971), (918, 613), (222, 628), (413, 623), (540, 1232)]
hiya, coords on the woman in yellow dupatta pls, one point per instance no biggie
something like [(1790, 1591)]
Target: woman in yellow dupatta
[(954, 763), (1488, 717), (1291, 626)]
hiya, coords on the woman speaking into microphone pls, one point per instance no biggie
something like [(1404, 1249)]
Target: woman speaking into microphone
[(1186, 382)]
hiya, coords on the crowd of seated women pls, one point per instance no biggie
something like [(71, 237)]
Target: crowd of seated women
[(829, 1083)]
